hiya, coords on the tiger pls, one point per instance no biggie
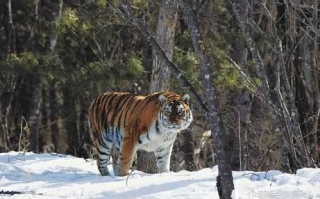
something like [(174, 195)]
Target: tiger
[(121, 124)]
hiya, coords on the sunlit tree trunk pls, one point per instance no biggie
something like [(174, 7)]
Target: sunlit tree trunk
[(160, 78)]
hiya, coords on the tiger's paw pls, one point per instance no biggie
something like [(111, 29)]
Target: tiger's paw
[(104, 171)]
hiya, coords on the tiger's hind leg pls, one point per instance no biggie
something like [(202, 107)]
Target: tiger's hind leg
[(115, 158), (104, 147)]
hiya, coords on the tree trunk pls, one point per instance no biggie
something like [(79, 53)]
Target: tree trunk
[(165, 37), (85, 138), (224, 179), (160, 78), (54, 115), (55, 17), (189, 157), (240, 108), (47, 146), (11, 39), (3, 143), (35, 116), (70, 125)]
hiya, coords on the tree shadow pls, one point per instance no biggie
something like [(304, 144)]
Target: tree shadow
[(157, 188)]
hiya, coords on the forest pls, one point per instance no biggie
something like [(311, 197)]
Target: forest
[(250, 67)]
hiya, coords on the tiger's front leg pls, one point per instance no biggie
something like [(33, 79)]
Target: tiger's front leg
[(163, 156), (125, 158)]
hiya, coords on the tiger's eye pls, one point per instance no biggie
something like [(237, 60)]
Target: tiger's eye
[(181, 113)]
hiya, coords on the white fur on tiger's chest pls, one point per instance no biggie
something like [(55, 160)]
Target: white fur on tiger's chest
[(153, 141)]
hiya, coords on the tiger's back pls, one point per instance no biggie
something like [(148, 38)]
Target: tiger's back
[(127, 123)]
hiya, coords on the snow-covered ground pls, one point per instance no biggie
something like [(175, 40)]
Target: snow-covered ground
[(32, 175)]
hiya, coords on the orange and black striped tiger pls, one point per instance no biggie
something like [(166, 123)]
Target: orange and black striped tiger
[(125, 123)]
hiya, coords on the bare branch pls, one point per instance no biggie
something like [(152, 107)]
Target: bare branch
[(261, 72), (290, 116), (245, 76), (225, 184)]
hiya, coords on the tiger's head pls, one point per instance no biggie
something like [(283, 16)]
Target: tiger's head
[(175, 113)]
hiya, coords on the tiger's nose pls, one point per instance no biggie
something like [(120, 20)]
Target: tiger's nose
[(175, 120)]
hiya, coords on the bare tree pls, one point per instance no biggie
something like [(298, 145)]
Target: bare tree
[(240, 106), (307, 65), (286, 124), (242, 21), (224, 179)]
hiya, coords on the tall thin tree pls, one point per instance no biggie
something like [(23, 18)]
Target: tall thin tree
[(225, 184)]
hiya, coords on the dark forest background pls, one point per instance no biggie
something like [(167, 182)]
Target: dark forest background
[(57, 56)]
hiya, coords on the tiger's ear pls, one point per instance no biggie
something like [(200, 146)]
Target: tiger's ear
[(162, 99), (186, 98)]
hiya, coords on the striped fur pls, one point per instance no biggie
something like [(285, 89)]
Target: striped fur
[(121, 124)]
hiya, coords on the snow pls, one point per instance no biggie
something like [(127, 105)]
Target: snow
[(59, 176)]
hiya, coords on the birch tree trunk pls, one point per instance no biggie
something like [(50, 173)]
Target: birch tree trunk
[(225, 184), (56, 12), (11, 39), (160, 78)]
